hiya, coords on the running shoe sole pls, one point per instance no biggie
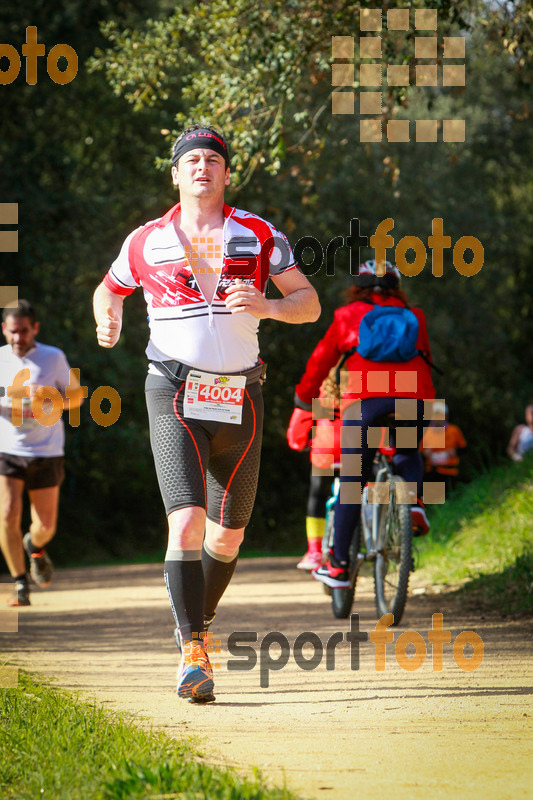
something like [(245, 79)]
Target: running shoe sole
[(309, 565), (19, 599), (333, 583), (202, 699)]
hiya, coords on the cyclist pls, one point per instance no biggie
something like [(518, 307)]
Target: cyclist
[(325, 461), (372, 391)]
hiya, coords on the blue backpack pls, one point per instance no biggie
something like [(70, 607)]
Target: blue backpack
[(388, 333)]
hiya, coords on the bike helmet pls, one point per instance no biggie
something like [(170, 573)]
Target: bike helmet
[(367, 276)]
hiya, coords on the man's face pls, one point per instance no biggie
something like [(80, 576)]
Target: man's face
[(20, 334), (201, 173)]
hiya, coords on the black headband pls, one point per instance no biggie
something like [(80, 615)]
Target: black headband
[(200, 138)]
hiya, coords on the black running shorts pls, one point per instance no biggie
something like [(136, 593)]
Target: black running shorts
[(213, 465), (36, 472)]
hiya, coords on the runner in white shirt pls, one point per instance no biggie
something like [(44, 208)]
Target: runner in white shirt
[(31, 450), (204, 269), (522, 437)]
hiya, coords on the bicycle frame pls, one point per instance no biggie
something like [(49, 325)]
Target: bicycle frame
[(374, 539), (383, 536), (371, 533)]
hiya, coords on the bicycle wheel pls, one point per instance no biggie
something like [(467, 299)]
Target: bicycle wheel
[(342, 599), (327, 539), (394, 561)]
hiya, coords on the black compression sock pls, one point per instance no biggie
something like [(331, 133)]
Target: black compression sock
[(185, 586), (217, 575)]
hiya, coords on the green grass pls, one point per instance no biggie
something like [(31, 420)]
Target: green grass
[(54, 746), (483, 536)]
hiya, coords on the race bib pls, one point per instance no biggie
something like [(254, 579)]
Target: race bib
[(439, 457), (28, 420), (218, 398)]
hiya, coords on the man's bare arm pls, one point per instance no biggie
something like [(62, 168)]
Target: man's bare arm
[(299, 302), (107, 308)]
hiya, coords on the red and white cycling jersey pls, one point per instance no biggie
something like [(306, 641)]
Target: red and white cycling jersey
[(183, 326)]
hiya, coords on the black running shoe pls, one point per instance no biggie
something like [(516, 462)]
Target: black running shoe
[(21, 595), (333, 573), (41, 567)]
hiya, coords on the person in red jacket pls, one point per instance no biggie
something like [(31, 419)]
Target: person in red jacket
[(325, 446), (372, 391)]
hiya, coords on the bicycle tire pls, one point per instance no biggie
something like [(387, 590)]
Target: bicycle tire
[(327, 539), (342, 599), (394, 563)]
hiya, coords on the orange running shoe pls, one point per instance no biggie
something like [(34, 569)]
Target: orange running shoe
[(195, 674)]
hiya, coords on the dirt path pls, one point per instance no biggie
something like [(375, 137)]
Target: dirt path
[(338, 733)]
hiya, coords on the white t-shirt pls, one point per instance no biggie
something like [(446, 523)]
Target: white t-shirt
[(525, 440), (48, 367)]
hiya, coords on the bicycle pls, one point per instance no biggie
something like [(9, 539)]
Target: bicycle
[(387, 537)]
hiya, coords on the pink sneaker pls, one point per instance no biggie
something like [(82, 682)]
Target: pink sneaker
[(310, 561)]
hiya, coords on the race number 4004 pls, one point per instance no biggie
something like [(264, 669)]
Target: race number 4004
[(214, 397)]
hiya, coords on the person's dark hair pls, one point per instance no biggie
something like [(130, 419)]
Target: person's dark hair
[(355, 293), (23, 309), (197, 127)]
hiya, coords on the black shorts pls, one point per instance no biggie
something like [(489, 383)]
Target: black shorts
[(37, 473), (213, 465)]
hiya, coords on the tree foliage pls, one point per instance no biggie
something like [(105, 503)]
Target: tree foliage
[(263, 71)]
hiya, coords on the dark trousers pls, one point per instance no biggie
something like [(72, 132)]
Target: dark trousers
[(407, 462)]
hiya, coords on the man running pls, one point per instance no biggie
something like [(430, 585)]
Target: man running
[(32, 449), (204, 268)]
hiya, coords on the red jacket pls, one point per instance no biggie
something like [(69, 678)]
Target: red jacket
[(325, 443), (367, 378)]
